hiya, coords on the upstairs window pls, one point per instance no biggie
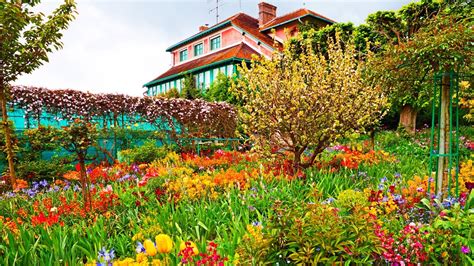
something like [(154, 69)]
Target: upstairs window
[(183, 55), (198, 49), (216, 43)]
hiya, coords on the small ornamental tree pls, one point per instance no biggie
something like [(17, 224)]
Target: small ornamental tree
[(26, 38), (306, 100), (77, 138)]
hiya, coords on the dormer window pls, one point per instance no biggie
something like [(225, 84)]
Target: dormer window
[(198, 49), (183, 55), (216, 43)]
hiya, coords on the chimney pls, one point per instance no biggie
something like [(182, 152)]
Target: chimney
[(203, 27), (266, 12)]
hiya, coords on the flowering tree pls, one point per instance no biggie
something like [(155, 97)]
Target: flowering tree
[(306, 100), (26, 38)]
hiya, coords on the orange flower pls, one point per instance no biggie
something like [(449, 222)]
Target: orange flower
[(72, 175)]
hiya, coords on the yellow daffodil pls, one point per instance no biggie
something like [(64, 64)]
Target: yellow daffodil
[(141, 257), (164, 243), (149, 247)]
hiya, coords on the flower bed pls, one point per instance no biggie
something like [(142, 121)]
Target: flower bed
[(233, 208)]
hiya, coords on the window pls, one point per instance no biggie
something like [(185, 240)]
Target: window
[(207, 79), (230, 70), (198, 49), (216, 43), (183, 55)]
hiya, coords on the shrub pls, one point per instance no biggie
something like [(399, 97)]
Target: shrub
[(301, 100), (42, 169), (146, 153)]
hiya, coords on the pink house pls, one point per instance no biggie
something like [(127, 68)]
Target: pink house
[(221, 47)]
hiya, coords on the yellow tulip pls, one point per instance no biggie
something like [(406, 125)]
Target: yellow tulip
[(192, 244), (149, 247), (164, 243)]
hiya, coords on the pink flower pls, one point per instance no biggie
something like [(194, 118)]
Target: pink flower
[(465, 249)]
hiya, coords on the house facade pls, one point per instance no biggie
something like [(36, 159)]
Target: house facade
[(221, 47)]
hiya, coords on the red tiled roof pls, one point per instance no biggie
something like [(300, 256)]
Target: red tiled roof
[(291, 16), (250, 25), (241, 20), (241, 51)]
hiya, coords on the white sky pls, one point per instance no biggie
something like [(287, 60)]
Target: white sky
[(117, 46)]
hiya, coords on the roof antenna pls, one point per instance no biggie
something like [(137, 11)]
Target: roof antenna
[(216, 9)]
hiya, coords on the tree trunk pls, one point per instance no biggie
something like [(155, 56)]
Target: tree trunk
[(297, 160), (8, 138), (408, 118), (372, 139), (444, 137), (84, 182)]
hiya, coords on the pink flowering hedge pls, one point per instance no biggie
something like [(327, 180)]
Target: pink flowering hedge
[(179, 117)]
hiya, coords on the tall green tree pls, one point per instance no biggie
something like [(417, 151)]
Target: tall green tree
[(420, 38), (26, 38)]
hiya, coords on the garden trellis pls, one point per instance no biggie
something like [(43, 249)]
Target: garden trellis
[(444, 144)]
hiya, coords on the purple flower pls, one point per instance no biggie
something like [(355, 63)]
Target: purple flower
[(43, 183), (140, 248), (256, 223), (35, 186), (465, 250), (31, 193)]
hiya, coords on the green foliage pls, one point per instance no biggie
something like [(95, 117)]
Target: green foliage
[(171, 93), (39, 140), (422, 38), (28, 37), (146, 153), (362, 36), (189, 89), (219, 91), (78, 137), (53, 168), (350, 199)]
